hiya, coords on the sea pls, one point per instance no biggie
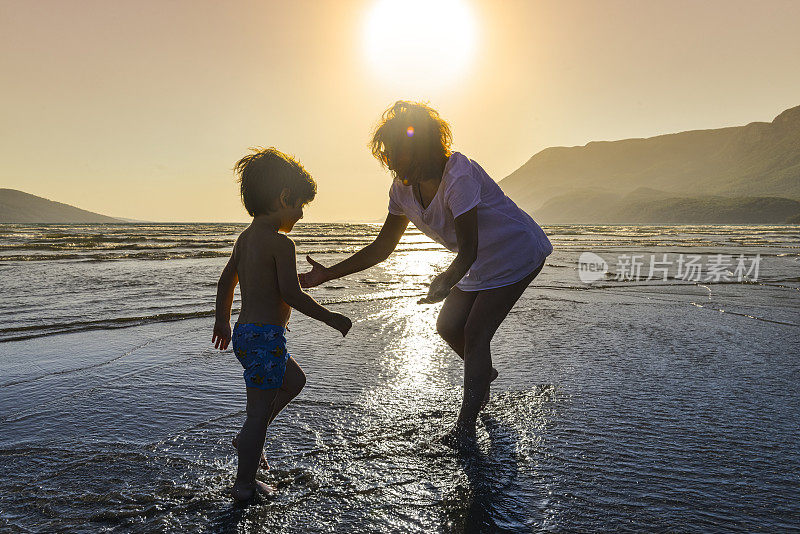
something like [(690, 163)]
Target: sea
[(649, 381)]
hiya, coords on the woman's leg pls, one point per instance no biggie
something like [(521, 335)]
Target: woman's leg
[(452, 320), (487, 312)]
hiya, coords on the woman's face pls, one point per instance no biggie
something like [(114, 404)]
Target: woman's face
[(399, 162)]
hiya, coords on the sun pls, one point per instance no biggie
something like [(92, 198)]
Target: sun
[(421, 44)]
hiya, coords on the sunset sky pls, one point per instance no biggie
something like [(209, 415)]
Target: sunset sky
[(140, 109)]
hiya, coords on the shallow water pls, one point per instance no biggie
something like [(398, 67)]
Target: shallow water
[(645, 406)]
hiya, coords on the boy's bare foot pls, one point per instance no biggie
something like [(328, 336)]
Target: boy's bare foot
[(459, 437), (492, 377), (264, 462), (245, 492)]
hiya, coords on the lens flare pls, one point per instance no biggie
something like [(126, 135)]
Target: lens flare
[(410, 131)]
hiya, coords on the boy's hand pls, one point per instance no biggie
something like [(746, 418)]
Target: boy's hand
[(316, 276), (438, 290), (222, 335), (340, 323)]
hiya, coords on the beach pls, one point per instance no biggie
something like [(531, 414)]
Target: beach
[(621, 404)]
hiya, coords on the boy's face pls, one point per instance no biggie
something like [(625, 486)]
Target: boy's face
[(290, 214)]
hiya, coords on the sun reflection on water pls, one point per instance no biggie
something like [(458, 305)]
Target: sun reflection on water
[(417, 350), (413, 354)]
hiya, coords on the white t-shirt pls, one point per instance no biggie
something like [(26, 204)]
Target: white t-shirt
[(510, 243)]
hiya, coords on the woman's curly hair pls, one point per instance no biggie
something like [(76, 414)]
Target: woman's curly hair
[(414, 125), (268, 171)]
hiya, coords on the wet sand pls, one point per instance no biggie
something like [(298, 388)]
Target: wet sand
[(615, 409)]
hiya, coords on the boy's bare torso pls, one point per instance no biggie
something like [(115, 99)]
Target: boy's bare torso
[(258, 280)]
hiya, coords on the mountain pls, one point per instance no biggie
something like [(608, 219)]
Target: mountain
[(659, 207), (19, 207), (739, 174)]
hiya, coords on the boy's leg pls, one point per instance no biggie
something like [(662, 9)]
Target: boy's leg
[(260, 403), (490, 308), (235, 442), (293, 381), (452, 320)]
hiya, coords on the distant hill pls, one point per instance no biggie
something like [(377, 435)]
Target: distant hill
[(658, 207), (19, 207), (739, 174)]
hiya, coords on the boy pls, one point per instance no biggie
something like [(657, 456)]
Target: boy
[(274, 189)]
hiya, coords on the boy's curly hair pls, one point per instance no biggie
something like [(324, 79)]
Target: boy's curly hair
[(268, 171), (415, 125)]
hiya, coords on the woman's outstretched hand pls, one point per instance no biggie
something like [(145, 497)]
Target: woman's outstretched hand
[(319, 274), (438, 290)]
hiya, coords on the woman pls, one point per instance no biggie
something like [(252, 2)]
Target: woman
[(452, 200)]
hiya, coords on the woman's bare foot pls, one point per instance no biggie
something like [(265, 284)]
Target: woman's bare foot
[(267, 490), (459, 437), (264, 462), (245, 492), (492, 377)]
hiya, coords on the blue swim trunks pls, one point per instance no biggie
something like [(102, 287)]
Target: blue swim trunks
[(261, 349)]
